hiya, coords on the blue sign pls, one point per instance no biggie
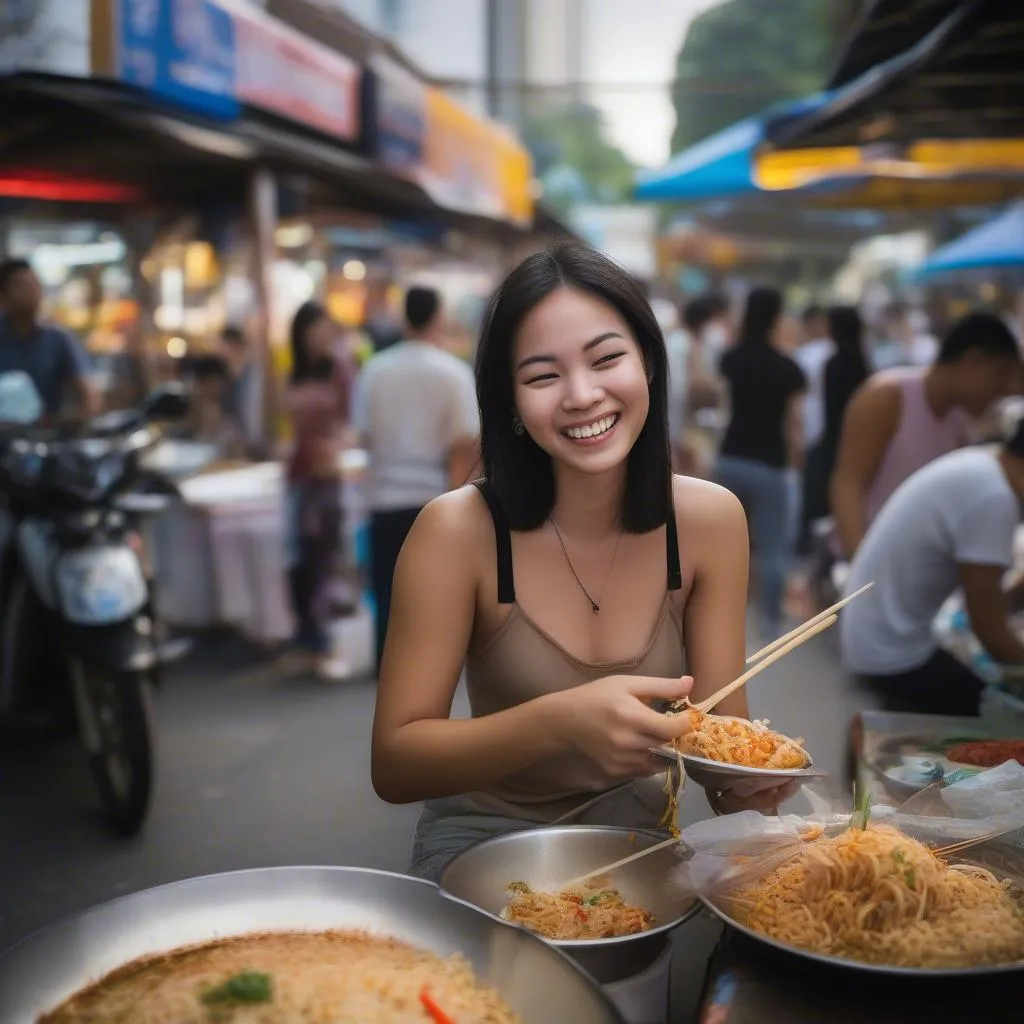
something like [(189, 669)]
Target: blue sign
[(180, 50), (400, 117)]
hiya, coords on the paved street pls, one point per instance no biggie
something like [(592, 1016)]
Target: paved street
[(256, 770)]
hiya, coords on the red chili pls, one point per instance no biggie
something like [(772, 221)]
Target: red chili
[(582, 915), (435, 1011), (987, 753)]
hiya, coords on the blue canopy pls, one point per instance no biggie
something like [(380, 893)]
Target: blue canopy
[(722, 164), (996, 243)]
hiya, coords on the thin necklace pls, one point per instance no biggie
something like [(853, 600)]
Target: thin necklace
[(595, 606)]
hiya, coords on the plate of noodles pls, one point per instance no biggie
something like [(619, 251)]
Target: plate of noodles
[(614, 924), (876, 900), (719, 745), (292, 945)]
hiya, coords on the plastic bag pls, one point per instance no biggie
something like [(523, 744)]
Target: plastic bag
[(732, 852)]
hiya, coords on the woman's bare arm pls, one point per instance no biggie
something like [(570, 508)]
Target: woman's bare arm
[(418, 752), (713, 537)]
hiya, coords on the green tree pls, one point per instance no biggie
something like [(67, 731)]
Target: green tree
[(569, 146), (742, 56)]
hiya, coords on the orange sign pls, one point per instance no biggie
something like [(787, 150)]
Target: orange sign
[(474, 165)]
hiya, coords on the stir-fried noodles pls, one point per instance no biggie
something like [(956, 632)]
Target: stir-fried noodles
[(289, 978), (736, 741), (878, 896), (590, 911)]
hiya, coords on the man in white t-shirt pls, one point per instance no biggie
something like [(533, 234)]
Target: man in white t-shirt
[(415, 408), (950, 524)]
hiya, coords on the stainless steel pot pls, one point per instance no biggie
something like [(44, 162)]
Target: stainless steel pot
[(537, 981), (545, 858)]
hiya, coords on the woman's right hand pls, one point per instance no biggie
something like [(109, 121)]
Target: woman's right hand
[(610, 721)]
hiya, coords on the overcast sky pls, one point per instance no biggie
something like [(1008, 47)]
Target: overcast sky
[(635, 42)]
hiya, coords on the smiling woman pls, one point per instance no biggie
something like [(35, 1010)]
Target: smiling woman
[(575, 583)]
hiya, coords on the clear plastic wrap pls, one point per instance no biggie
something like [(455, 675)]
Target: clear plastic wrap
[(731, 852)]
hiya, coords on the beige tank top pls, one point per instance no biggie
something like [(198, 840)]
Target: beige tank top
[(522, 661)]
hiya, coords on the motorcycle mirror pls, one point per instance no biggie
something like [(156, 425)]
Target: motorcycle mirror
[(168, 402)]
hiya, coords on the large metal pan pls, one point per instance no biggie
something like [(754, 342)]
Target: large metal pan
[(536, 980), (1003, 859), (544, 858)]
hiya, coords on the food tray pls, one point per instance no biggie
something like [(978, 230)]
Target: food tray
[(536, 979), (1001, 858)]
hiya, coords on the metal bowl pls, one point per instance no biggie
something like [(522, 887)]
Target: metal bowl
[(1002, 859), (545, 858), (537, 981)]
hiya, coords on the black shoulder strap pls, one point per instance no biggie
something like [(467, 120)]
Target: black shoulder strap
[(503, 541), (675, 574)]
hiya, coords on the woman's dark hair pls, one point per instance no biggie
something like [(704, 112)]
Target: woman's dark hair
[(763, 309), (517, 468), (846, 329), (306, 366)]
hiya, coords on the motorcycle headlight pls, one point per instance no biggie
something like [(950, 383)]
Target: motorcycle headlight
[(100, 585)]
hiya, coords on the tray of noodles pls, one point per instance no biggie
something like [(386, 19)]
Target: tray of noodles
[(718, 746), (874, 899), (290, 946)]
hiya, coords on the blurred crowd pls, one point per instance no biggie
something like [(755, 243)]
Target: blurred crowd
[(814, 420)]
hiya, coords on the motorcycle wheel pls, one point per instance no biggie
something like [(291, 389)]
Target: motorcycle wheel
[(116, 728)]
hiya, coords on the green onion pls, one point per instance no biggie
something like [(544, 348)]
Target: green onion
[(246, 987), (911, 879)]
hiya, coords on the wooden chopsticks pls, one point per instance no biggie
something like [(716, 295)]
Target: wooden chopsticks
[(776, 649), (820, 617), (965, 844), (572, 883)]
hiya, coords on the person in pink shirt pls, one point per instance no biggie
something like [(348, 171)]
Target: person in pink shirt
[(902, 419), (318, 402)]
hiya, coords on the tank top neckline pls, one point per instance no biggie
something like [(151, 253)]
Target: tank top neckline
[(507, 594)]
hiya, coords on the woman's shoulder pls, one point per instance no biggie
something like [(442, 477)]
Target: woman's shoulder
[(705, 507), (459, 517)]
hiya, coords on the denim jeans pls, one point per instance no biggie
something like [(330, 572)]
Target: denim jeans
[(766, 495)]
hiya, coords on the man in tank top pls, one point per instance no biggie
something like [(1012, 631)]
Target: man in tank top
[(902, 419)]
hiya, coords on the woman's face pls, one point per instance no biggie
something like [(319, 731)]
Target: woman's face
[(579, 381)]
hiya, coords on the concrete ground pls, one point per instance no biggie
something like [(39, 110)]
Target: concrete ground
[(258, 770)]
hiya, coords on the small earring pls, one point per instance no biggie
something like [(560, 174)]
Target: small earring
[(517, 426)]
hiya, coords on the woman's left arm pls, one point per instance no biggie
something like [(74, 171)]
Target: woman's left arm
[(713, 532)]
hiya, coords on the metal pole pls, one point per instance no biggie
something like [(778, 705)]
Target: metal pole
[(263, 252)]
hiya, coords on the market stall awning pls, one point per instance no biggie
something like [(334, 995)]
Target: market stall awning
[(961, 80), (885, 29), (996, 243), (722, 164)]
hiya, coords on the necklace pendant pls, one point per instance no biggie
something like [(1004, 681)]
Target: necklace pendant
[(594, 607)]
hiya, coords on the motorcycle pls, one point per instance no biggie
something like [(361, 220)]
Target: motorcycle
[(79, 639)]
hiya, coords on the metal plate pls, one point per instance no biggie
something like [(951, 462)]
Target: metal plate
[(1002, 859), (536, 980), (710, 774)]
